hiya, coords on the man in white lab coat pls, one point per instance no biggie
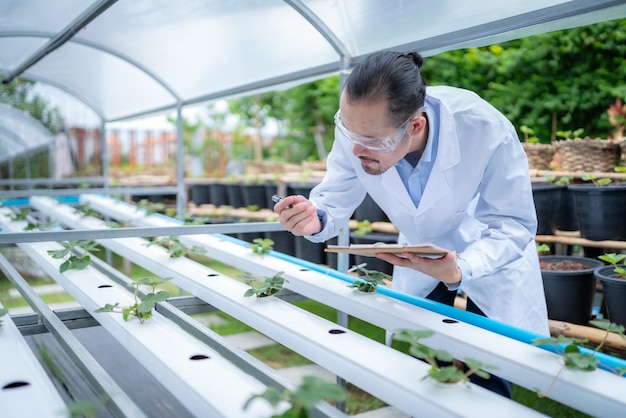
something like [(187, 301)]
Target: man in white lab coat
[(448, 169)]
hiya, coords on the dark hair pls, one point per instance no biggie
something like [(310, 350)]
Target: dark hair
[(392, 76)]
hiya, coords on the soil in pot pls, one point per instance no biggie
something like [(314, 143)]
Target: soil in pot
[(570, 286)]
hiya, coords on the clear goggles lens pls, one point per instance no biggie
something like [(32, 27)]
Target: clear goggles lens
[(386, 144)]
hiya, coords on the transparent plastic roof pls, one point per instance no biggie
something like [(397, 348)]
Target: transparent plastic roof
[(20, 134), (128, 58)]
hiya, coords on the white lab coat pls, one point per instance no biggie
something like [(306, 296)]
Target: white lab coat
[(477, 202)]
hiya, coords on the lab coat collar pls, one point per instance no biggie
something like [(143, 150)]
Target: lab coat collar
[(448, 156)]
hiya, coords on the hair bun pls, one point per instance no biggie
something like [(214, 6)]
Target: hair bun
[(416, 58)]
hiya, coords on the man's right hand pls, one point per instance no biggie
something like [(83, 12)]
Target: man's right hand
[(298, 215)]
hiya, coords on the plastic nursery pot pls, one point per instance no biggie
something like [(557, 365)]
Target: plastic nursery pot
[(600, 210), (614, 293), (569, 293), (547, 199)]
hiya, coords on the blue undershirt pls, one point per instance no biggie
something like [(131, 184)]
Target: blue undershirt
[(414, 172)]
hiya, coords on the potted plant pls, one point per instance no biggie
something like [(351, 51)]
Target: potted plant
[(600, 208), (613, 280), (569, 285), (585, 154)]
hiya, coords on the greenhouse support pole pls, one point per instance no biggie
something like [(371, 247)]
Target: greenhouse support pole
[(180, 173), (104, 160)]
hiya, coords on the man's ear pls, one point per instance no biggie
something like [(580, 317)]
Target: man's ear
[(417, 124)]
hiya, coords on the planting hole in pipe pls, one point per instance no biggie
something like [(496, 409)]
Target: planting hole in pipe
[(212, 275), (16, 384), (336, 331), (104, 286), (303, 269), (199, 357), (449, 321)]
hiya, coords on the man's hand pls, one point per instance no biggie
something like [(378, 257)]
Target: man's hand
[(298, 215), (444, 269)]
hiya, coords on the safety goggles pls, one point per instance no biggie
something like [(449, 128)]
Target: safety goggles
[(387, 144)]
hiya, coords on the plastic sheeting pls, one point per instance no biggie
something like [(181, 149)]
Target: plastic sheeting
[(21, 134), (129, 58)]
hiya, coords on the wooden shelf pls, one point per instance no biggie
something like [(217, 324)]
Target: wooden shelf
[(573, 238)]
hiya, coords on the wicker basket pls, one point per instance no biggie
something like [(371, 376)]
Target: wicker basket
[(539, 155), (588, 155)]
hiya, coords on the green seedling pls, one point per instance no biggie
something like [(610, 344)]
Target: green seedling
[(529, 135), (150, 207), (175, 248), (3, 312), (86, 409), (543, 248), (263, 286), (22, 215), (615, 259), (261, 246), (573, 356), (85, 211), (141, 310), (363, 227), (598, 182), (313, 390), (73, 261), (369, 280), (443, 374)]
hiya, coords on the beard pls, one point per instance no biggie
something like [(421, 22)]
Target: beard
[(372, 169)]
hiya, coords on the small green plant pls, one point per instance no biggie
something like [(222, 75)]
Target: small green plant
[(443, 374), (261, 246), (369, 280), (3, 312), (561, 180), (529, 135), (573, 357), (543, 248), (86, 409), (598, 182), (263, 286), (615, 259), (363, 227), (570, 134), (150, 207), (141, 310), (22, 215), (73, 261), (85, 211), (175, 248), (313, 390)]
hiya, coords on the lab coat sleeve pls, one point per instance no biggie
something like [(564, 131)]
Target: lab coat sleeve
[(506, 206), (339, 193)]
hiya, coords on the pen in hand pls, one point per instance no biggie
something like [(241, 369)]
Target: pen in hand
[(277, 199)]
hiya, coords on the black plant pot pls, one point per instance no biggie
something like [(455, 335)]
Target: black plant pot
[(271, 188), (373, 263), (614, 293), (570, 293), (600, 211), (566, 219), (218, 195), (254, 195), (199, 193), (547, 199), (235, 195)]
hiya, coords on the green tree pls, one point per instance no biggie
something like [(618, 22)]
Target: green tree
[(563, 80), (18, 93)]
